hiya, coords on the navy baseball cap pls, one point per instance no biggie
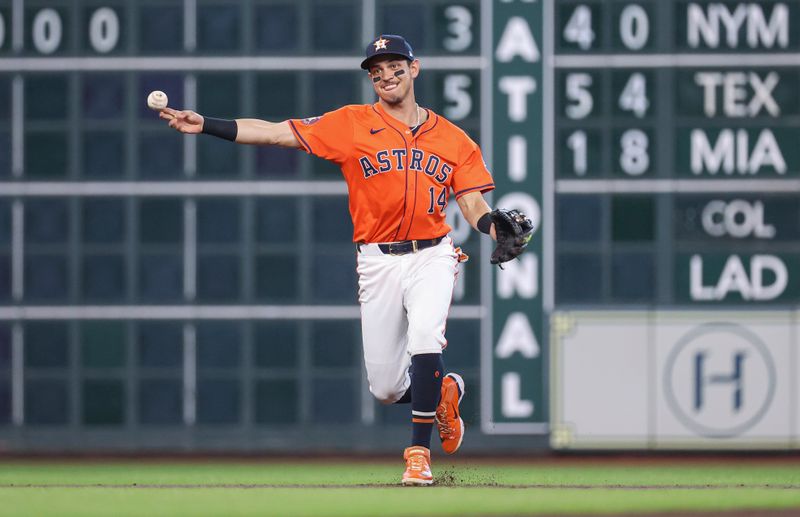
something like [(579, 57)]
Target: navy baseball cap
[(388, 44)]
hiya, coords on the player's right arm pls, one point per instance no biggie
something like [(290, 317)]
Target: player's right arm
[(261, 132), (248, 130)]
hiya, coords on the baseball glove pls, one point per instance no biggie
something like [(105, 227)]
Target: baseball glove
[(513, 230)]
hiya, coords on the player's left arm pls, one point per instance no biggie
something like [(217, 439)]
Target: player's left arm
[(473, 206)]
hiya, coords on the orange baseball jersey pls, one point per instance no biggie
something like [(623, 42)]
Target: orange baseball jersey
[(399, 183)]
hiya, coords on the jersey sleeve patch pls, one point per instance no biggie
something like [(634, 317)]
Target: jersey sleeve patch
[(328, 136), (300, 137)]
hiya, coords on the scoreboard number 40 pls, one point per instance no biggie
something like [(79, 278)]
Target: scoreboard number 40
[(634, 27)]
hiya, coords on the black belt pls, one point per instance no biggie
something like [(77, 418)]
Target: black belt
[(405, 247)]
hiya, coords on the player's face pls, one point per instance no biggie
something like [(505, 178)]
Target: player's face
[(393, 78)]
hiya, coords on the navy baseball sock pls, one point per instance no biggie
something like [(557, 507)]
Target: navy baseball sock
[(427, 371)]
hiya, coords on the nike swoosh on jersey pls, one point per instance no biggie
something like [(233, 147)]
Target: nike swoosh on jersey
[(373, 131)]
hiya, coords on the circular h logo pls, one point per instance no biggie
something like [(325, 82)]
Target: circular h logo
[(719, 380)]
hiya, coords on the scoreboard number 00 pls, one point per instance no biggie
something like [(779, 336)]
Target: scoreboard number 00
[(47, 30)]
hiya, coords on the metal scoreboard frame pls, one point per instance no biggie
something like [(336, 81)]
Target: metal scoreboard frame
[(32, 33), (519, 60)]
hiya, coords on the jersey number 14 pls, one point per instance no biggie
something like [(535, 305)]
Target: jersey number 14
[(440, 200)]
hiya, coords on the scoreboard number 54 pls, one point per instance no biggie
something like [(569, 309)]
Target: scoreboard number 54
[(632, 98)]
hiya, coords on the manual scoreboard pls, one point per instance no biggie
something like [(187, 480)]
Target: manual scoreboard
[(676, 172), (676, 157), (153, 280)]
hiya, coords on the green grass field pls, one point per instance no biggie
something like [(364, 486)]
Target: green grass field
[(85, 488)]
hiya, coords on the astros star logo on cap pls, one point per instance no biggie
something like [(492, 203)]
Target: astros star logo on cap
[(380, 43)]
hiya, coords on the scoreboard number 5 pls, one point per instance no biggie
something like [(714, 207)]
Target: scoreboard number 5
[(456, 94), (577, 86)]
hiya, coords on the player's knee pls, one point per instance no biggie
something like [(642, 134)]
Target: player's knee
[(386, 394), (425, 339), (387, 381)]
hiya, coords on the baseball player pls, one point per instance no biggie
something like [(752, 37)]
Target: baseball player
[(401, 162)]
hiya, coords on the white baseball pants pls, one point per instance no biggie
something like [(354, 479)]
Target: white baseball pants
[(404, 301)]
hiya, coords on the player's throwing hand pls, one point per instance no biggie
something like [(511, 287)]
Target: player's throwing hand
[(185, 121)]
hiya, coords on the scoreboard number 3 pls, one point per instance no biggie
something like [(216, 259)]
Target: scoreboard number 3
[(459, 27)]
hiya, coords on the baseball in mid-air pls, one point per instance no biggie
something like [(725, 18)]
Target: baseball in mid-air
[(157, 100)]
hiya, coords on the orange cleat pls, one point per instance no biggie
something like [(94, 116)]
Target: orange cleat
[(418, 466), (448, 418)]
